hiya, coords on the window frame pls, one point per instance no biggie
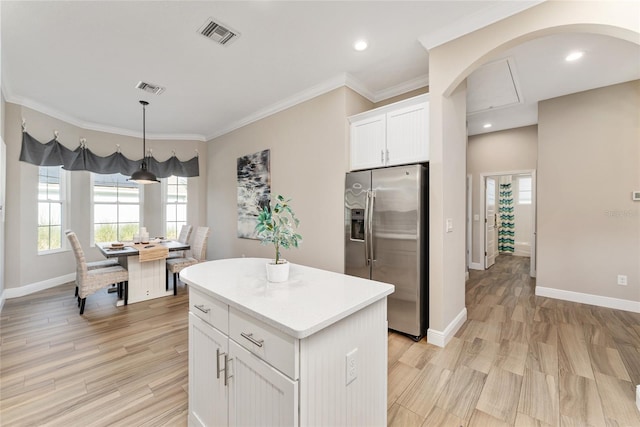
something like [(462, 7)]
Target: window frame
[(528, 201), (140, 203), (64, 210), (165, 203)]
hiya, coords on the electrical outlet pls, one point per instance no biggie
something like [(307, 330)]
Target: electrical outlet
[(622, 280), (351, 366), (449, 225)]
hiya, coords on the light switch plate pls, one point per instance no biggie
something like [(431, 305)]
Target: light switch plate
[(635, 195)]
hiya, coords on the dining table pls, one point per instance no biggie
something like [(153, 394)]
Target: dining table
[(146, 263)]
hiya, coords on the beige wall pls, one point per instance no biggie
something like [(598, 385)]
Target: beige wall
[(398, 98), (504, 151), (2, 183), (25, 266), (588, 165), (309, 149), (449, 66)]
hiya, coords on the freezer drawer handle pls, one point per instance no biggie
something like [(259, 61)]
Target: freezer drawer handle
[(252, 339), (382, 156)]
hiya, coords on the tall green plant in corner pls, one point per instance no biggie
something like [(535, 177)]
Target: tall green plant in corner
[(277, 225)]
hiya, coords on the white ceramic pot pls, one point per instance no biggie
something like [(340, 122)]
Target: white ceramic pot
[(277, 273)]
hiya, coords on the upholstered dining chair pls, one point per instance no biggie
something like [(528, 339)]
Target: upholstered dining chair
[(90, 281), (198, 253), (185, 235), (92, 265)]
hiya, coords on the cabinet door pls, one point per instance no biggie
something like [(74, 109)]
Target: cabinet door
[(368, 143), (208, 399), (259, 395), (408, 135)]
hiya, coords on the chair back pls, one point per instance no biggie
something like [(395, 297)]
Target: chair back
[(81, 261), (185, 234), (199, 247)]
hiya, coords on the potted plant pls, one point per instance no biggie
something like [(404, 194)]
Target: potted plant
[(277, 224)]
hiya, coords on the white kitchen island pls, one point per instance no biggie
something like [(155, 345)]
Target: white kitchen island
[(309, 351)]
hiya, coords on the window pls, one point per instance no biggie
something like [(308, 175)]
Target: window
[(116, 208), (524, 190), (176, 205), (51, 200)]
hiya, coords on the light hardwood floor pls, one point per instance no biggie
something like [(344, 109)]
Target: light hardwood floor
[(518, 360)]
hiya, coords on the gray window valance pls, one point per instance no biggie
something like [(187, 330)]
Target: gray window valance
[(53, 153)]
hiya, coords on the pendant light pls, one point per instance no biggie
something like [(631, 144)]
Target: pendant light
[(143, 176)]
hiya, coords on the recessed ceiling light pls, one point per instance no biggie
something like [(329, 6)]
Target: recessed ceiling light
[(360, 45), (486, 125), (573, 56)]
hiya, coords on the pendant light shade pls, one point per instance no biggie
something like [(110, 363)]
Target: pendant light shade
[(143, 176)]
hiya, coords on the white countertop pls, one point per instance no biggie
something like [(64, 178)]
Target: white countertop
[(309, 301)]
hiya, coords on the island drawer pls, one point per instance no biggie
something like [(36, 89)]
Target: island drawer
[(271, 345), (210, 310)]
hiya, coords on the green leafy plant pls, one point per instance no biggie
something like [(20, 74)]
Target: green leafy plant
[(277, 225)]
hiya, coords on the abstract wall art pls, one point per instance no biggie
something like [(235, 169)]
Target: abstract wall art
[(254, 190)]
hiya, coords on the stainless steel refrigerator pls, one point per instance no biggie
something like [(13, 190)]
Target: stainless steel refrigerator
[(386, 229)]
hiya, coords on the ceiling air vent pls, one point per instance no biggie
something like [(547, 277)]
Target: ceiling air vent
[(218, 32), (151, 88)]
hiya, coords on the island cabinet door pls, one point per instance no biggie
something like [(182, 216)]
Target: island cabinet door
[(208, 397), (259, 395)]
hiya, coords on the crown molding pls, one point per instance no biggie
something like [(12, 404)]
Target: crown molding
[(340, 80), (401, 88), (56, 114), (298, 98), (474, 22), (359, 87)]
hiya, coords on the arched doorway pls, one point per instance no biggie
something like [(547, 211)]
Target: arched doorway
[(450, 64)]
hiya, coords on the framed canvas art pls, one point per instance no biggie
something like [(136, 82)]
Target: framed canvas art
[(254, 190)]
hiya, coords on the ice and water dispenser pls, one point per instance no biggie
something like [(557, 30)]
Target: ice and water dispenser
[(357, 224)]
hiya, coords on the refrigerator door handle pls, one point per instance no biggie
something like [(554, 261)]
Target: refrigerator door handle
[(366, 227), (372, 255)]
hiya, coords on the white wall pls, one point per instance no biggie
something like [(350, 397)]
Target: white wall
[(523, 215), (25, 268), (309, 158)]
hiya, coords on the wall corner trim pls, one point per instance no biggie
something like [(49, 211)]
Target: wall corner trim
[(598, 300), (442, 338), (2, 298), (38, 286)]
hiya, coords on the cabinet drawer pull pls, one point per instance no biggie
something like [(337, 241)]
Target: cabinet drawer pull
[(218, 370), (202, 308), (226, 369), (252, 339)]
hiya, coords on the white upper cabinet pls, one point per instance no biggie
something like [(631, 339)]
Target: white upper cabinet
[(368, 142), (391, 135)]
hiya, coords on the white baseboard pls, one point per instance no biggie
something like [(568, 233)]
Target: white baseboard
[(2, 300), (619, 304), (466, 275), (476, 266), (441, 338), (38, 286)]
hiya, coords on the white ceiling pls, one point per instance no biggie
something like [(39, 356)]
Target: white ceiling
[(79, 61)]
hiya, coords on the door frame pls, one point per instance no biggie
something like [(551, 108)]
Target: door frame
[(469, 222), (483, 213)]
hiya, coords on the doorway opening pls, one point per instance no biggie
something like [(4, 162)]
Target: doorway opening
[(508, 209)]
